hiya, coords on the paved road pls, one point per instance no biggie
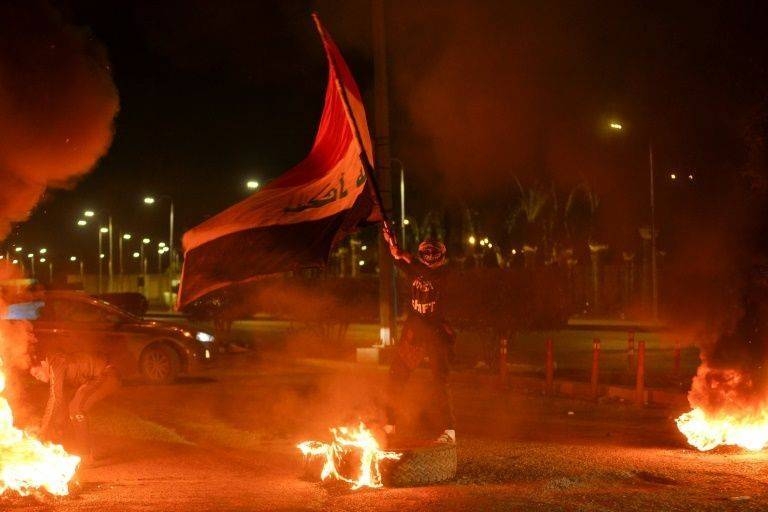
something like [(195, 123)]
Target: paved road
[(225, 441)]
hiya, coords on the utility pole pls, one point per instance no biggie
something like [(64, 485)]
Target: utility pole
[(387, 284), (654, 263)]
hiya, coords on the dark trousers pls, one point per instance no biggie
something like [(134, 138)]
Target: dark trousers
[(86, 396), (423, 337)]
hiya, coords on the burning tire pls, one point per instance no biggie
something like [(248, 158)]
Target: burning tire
[(159, 364), (422, 465)]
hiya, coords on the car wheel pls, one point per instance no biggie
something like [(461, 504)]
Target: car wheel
[(159, 364)]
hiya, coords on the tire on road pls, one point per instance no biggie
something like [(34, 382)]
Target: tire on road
[(159, 364), (422, 465)]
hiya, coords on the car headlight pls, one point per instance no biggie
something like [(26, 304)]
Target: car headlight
[(203, 337)]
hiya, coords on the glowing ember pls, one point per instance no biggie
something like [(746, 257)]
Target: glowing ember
[(26, 464), (729, 408), (346, 441)]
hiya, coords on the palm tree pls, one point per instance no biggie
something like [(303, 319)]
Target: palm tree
[(580, 211), (528, 215)]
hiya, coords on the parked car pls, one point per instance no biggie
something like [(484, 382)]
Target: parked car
[(70, 322)]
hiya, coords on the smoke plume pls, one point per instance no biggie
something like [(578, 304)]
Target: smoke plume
[(57, 106)]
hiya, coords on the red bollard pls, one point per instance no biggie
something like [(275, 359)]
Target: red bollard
[(677, 359), (595, 367), (640, 382), (550, 368), (503, 369), (631, 352)]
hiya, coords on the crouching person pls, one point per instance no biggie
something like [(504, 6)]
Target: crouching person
[(89, 378)]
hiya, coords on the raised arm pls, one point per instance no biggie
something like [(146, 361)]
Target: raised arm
[(394, 249)]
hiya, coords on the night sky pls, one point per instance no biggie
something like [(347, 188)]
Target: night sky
[(214, 93)]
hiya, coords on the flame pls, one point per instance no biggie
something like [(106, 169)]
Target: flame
[(27, 464), (345, 441), (728, 408), (707, 431)]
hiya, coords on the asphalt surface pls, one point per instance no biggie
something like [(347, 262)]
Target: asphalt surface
[(226, 441)]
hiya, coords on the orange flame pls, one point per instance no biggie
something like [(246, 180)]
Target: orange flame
[(706, 431), (26, 464), (346, 440), (728, 408)]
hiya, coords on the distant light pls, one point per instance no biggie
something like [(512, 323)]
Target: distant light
[(73, 258), (126, 236), (160, 251), (672, 176), (18, 249), (252, 184), (89, 213), (2, 257), (514, 251), (690, 177), (42, 260), (101, 256), (615, 125), (161, 244), (30, 255), (149, 200), (166, 249), (82, 222), (490, 245), (472, 240), (136, 254), (43, 250), (406, 222), (364, 248), (15, 262), (361, 262), (103, 230), (145, 240)]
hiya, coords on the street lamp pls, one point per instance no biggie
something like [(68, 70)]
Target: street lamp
[(126, 237), (251, 184), (110, 262), (31, 257), (73, 259), (102, 230), (150, 200), (614, 125)]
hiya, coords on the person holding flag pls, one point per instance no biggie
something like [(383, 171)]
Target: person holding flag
[(425, 332)]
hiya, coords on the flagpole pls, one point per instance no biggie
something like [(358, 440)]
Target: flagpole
[(363, 155)]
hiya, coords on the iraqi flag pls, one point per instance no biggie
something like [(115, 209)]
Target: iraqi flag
[(295, 220)]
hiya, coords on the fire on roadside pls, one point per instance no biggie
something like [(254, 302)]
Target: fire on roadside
[(28, 465), (728, 410), (350, 443)]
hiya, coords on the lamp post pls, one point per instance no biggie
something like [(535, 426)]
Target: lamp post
[(150, 200), (126, 237), (251, 185), (110, 261), (31, 258), (616, 126), (144, 241), (402, 200), (102, 230), (50, 269), (74, 259)]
